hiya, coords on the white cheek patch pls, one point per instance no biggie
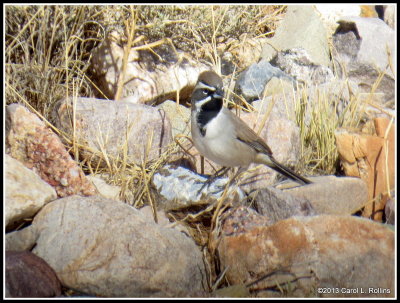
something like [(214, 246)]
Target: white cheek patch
[(199, 104)]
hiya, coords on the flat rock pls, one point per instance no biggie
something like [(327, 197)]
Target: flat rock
[(277, 205), (178, 188), (333, 195)]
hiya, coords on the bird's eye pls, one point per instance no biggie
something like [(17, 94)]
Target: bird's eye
[(204, 92)]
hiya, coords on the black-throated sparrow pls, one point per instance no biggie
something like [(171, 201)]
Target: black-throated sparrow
[(224, 138)]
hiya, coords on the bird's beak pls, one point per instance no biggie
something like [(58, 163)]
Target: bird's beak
[(218, 94)]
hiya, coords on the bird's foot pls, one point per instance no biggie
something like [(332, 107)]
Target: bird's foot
[(211, 179), (207, 183)]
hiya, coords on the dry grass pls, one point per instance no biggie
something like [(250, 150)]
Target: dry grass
[(47, 53)]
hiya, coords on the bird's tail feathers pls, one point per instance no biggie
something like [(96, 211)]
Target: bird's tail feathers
[(288, 172)]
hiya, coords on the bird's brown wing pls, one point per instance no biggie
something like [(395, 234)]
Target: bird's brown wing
[(245, 134)]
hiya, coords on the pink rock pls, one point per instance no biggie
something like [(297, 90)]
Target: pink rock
[(30, 141)]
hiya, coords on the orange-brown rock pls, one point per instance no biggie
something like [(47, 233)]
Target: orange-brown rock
[(319, 256), (370, 157)]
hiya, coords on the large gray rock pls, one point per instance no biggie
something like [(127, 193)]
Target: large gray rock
[(114, 128), (282, 136), (151, 76), (276, 205), (252, 81), (301, 28), (178, 115), (365, 47), (109, 249)]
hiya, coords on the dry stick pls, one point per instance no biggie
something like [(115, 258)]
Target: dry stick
[(219, 209), (147, 178), (369, 202), (386, 146), (217, 61), (219, 279), (131, 32), (176, 140), (266, 115)]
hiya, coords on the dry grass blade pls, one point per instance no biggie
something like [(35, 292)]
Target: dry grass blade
[(130, 29), (386, 149)]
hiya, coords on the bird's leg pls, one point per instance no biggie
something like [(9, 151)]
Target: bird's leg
[(212, 178), (238, 172), (231, 180)]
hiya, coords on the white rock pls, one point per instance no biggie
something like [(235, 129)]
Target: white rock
[(26, 192), (179, 188)]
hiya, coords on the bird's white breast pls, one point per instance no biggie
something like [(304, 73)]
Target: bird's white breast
[(220, 143)]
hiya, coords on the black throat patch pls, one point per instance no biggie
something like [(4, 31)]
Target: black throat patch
[(207, 112)]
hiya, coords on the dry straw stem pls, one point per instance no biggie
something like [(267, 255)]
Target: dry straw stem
[(386, 148), (375, 199), (130, 29)]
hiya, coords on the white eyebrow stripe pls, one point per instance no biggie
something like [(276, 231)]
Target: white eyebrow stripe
[(203, 85), (199, 104)]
